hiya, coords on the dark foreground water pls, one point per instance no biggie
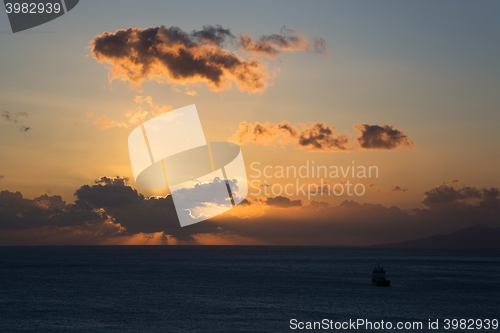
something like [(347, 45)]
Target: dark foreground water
[(237, 289)]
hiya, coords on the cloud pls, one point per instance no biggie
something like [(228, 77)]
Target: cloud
[(108, 192), (320, 137), (451, 193), (8, 116), (282, 202), (2, 177), (387, 189), (453, 205), (215, 35), (17, 212), (385, 137), (317, 137), (133, 212), (319, 204), (104, 123), (397, 188), (197, 196), (155, 110), (272, 45), (172, 56), (134, 116), (329, 188), (319, 45), (50, 202), (13, 117), (169, 55), (112, 181)]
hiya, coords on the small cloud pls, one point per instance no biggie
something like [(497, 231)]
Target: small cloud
[(2, 177), (14, 118), (386, 189), (112, 181), (105, 123), (282, 202), (135, 116), (319, 204), (385, 137), (8, 116), (319, 46), (271, 45), (397, 188)]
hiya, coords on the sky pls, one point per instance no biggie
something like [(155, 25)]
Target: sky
[(408, 87)]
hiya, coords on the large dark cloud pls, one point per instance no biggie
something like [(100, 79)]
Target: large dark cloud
[(171, 55), (447, 194), (133, 212), (453, 205), (108, 192), (385, 137), (17, 212)]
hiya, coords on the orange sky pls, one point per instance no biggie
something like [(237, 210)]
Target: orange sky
[(424, 111)]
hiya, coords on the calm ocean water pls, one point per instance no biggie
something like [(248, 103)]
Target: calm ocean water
[(236, 288)]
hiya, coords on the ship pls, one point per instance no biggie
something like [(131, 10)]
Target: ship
[(378, 277)]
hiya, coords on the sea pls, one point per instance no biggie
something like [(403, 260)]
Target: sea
[(244, 289)]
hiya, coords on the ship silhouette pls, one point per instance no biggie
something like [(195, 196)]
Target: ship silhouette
[(378, 277)]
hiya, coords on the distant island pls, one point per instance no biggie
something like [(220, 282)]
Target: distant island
[(475, 237)]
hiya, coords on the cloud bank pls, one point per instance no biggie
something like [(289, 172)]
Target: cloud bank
[(111, 212)]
